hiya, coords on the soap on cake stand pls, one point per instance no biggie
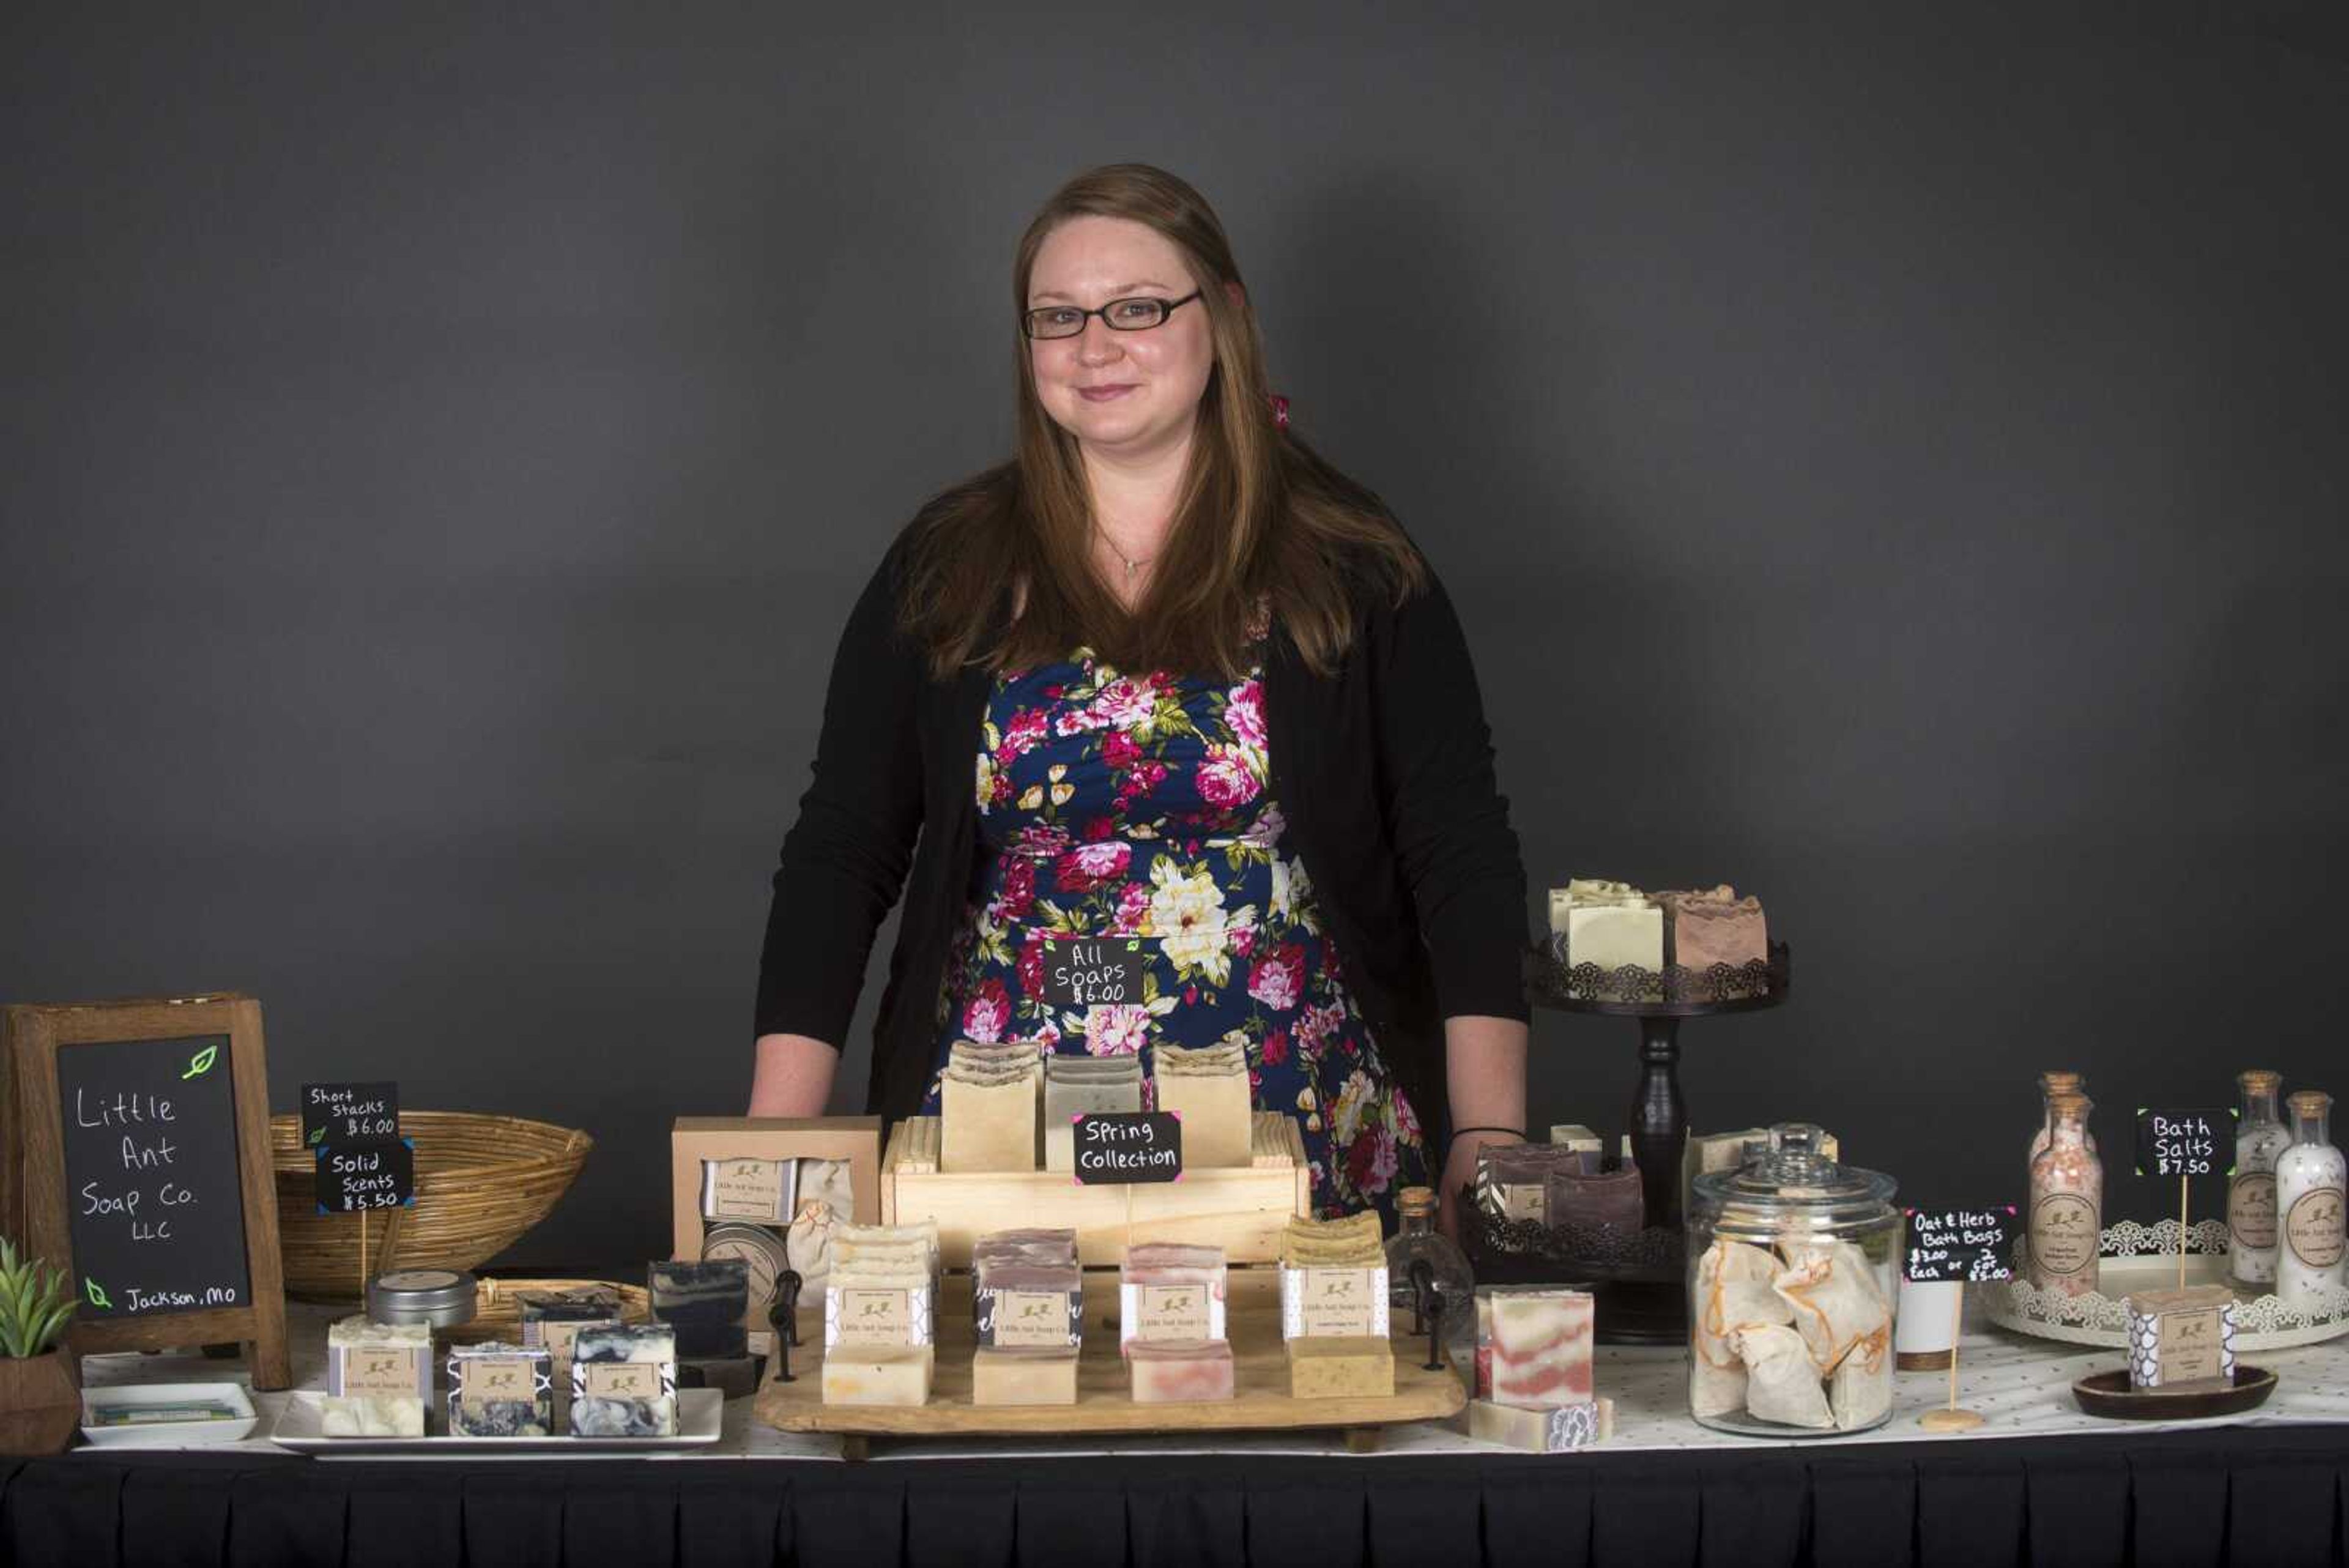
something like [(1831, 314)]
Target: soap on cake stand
[(1638, 1281)]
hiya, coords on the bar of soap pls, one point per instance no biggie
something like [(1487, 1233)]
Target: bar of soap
[(378, 1376), (704, 1302), (1612, 936), (623, 1381), (1022, 1375), (989, 1101), (886, 1374), (1555, 1429), (1212, 1099), (1171, 1291), (1574, 1135), (2182, 1339), (1713, 925), (1541, 1347), (500, 1391), (1177, 1371), (1076, 1089), (1340, 1367)]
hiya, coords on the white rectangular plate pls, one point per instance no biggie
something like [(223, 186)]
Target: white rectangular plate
[(700, 1415), (167, 1434)]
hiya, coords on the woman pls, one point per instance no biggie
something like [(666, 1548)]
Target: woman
[(1166, 674)]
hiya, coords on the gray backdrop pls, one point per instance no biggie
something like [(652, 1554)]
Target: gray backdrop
[(1894, 468)]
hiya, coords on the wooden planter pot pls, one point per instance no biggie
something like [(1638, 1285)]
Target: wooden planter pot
[(40, 1405)]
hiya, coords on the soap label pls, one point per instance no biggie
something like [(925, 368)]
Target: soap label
[(861, 1315), (1173, 1312), (2192, 1346), (1523, 1200), (615, 1380), (557, 1338), (2062, 1233), (1049, 1318), (757, 1189), (361, 1374), (485, 1378), (2251, 1209), (2313, 1228), (1338, 1301)]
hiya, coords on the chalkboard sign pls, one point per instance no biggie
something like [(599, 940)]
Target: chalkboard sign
[(1116, 1149), (366, 1173), (144, 1135), (1968, 1244), (1093, 972), (340, 1113), (2190, 1142)]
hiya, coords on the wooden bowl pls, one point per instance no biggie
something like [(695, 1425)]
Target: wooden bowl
[(482, 1181), (2108, 1393)]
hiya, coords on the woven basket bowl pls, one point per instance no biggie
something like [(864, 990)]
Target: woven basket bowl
[(481, 1182)]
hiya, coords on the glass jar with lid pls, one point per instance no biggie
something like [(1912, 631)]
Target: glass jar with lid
[(1793, 1269)]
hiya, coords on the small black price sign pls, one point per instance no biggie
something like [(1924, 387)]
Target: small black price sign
[(1093, 972), (2189, 1142), (344, 1113), (367, 1173), (1116, 1149), (1968, 1244)]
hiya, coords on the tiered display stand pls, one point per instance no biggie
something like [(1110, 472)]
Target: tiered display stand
[(1242, 1209), (1640, 1280)]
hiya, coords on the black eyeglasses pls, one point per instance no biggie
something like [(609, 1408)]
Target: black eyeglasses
[(1139, 314)]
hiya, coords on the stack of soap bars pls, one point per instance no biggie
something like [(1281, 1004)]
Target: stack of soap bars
[(1084, 1085), (623, 1381), (1208, 1088), (1028, 1306), (878, 1347), (1333, 1309), (989, 1102), (1171, 1323), (1533, 1371)]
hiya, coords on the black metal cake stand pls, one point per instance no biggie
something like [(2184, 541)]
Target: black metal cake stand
[(1639, 1280)]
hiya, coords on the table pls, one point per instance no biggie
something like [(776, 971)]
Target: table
[(2041, 1485)]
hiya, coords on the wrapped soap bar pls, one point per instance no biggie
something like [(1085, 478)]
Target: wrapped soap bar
[(1172, 1371), (1510, 1176), (1541, 1343), (764, 1191), (1170, 1291), (1029, 1304), (1551, 1430), (623, 1381), (500, 1391), (705, 1302), (1356, 1366), (879, 1374), (1333, 1278), (550, 1318), (2182, 1339), (379, 1378), (1023, 1374), (876, 1308)]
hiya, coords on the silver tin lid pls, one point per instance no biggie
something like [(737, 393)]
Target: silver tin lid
[(443, 1298)]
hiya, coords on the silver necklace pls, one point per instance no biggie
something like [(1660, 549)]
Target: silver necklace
[(1131, 565)]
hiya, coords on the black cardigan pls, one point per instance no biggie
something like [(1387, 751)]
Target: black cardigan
[(1385, 772)]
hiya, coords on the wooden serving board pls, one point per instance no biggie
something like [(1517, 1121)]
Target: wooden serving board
[(1242, 1209), (1261, 1401)]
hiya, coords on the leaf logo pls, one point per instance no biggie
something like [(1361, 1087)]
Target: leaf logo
[(318, 1134), (201, 1062), (97, 1294)]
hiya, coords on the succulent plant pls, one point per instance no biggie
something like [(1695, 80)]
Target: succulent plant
[(32, 1312)]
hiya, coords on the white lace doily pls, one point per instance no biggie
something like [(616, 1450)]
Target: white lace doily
[(2144, 1257)]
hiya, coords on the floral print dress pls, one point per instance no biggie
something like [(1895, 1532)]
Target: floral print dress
[(1138, 806)]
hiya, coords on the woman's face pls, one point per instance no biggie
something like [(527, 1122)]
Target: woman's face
[(1122, 393)]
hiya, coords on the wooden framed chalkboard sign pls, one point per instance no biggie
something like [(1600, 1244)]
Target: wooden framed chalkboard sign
[(141, 1133)]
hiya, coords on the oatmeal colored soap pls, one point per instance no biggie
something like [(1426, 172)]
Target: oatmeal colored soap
[(1019, 1375), (879, 1374), (1340, 1367)]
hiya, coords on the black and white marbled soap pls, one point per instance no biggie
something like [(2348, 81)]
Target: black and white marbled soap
[(528, 1411), (704, 1302), (623, 1381)]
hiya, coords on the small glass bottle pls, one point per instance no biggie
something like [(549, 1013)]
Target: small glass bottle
[(1418, 1241), (2067, 1201), (2052, 1084), (2260, 1139), (2309, 1195)]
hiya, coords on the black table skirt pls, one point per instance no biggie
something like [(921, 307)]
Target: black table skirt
[(2255, 1498)]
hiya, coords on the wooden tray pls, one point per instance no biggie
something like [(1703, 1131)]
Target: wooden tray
[(2108, 1393), (1241, 1209), (1261, 1376)]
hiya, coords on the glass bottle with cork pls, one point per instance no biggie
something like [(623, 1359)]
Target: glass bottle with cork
[(2309, 1198), (2261, 1138), (1418, 1251), (2052, 1083), (2067, 1201)]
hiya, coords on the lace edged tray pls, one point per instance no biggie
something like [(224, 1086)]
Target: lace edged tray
[(1528, 1249), (1675, 991), (2145, 1257)]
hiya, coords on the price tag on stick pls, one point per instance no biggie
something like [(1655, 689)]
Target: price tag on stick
[(1957, 1246), (344, 1113), (2185, 1143), (362, 1175)]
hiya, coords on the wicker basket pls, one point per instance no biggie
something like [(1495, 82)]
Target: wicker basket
[(481, 1182), (498, 1313)]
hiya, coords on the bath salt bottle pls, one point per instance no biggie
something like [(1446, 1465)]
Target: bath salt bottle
[(2261, 1138), (2067, 1201), (2052, 1084), (2309, 1181)]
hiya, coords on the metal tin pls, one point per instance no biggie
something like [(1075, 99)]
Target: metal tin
[(757, 1246), (442, 1298)]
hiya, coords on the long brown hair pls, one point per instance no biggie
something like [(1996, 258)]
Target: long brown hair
[(1259, 514)]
